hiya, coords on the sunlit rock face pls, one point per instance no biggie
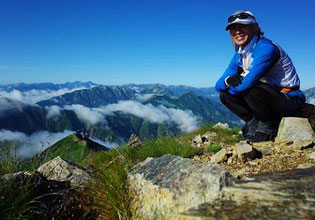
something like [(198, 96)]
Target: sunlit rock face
[(170, 184), (295, 129), (60, 170)]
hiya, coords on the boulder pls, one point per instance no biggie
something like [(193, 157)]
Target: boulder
[(245, 151), (295, 129), (282, 195), (220, 156), (61, 170), (221, 125), (163, 186), (197, 139), (209, 136), (134, 141)]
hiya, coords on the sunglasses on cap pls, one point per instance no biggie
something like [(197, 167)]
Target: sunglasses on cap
[(242, 15)]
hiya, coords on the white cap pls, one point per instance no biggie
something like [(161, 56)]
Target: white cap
[(250, 20)]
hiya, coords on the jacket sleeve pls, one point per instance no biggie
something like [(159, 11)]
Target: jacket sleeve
[(264, 59), (230, 71)]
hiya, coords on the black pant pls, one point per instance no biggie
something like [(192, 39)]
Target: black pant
[(264, 102)]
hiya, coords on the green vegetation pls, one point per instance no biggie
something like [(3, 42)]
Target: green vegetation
[(108, 190), (213, 148), (70, 148), (227, 136), (159, 147), (14, 201), (9, 163)]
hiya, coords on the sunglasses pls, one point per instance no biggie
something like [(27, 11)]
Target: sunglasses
[(239, 16)]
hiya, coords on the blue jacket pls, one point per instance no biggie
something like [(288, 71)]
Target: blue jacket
[(266, 62)]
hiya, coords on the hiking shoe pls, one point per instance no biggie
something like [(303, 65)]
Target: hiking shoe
[(249, 128), (264, 132)]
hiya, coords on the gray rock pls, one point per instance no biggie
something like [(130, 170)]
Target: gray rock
[(220, 156), (284, 195), (197, 139), (266, 148), (311, 155), (12, 177), (209, 136), (60, 170), (295, 129), (221, 125), (245, 151), (170, 184), (134, 141)]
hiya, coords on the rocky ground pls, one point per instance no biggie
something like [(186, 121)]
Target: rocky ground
[(273, 161), (266, 180), (260, 157)]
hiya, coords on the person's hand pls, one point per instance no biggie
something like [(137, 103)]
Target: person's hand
[(240, 70), (234, 80)]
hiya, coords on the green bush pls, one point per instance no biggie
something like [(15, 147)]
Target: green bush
[(16, 202), (214, 148), (161, 146), (108, 189)]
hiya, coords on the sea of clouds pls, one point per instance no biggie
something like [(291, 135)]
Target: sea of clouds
[(185, 120), (34, 143), (32, 96)]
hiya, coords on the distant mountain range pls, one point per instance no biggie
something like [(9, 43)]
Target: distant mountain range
[(46, 86), (113, 113), (209, 92), (94, 97), (310, 95)]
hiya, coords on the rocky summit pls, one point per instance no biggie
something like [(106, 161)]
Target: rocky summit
[(266, 180)]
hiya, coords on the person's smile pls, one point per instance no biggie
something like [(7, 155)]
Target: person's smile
[(240, 34)]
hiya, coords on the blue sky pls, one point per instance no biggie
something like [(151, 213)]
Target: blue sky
[(141, 41)]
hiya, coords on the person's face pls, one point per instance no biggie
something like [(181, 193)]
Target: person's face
[(241, 34)]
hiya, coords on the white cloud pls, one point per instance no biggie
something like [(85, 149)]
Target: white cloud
[(88, 115), (311, 100), (144, 97), (34, 143), (185, 120), (7, 104), (53, 112), (14, 94), (33, 96), (148, 112), (105, 143), (6, 135)]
